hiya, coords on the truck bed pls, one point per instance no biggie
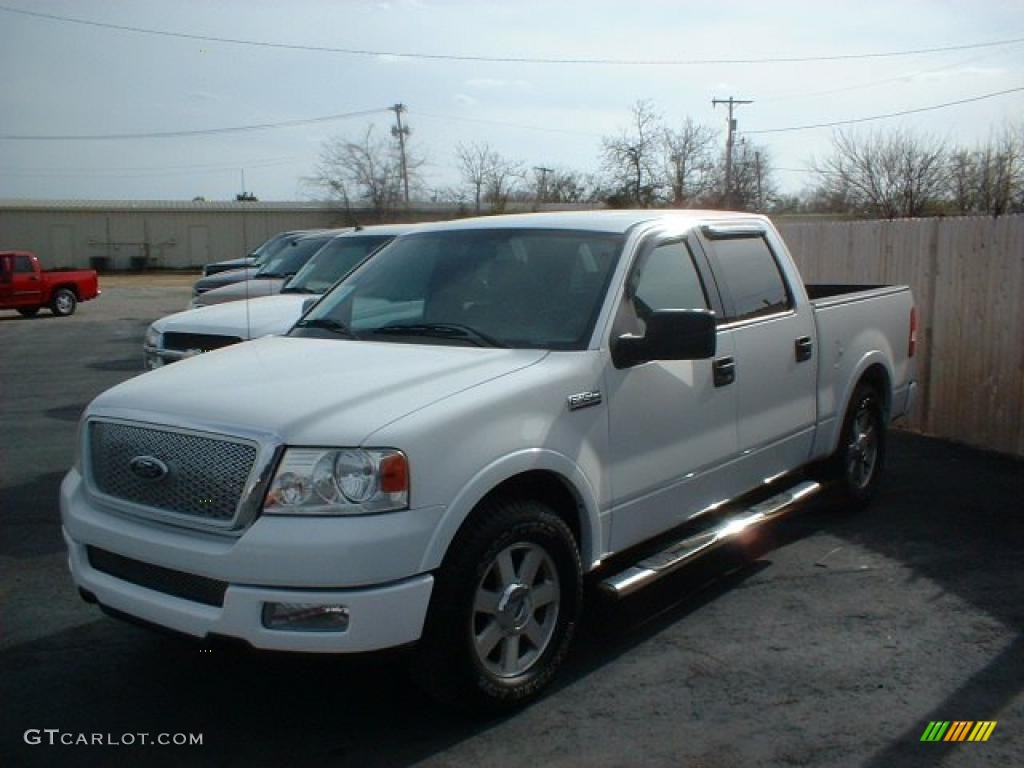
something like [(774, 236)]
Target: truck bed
[(825, 293)]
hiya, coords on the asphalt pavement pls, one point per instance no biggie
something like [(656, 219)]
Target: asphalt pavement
[(832, 639)]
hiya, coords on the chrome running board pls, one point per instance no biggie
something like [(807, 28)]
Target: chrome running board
[(678, 554)]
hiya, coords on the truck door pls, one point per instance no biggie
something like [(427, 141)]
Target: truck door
[(671, 423), (27, 285), (774, 333)]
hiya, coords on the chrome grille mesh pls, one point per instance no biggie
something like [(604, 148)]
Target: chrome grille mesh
[(206, 475)]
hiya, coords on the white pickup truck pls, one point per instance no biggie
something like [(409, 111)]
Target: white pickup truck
[(473, 421)]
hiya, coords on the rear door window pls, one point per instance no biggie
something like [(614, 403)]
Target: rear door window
[(752, 277)]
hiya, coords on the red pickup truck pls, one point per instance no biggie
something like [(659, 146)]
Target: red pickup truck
[(26, 287)]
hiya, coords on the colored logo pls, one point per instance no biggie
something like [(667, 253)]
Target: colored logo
[(959, 730)]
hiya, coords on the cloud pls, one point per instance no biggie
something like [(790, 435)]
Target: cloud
[(489, 83), (466, 99), (945, 74)]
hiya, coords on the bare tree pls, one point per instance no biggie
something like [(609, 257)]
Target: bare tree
[(962, 180), (490, 177), (503, 178), (891, 175), (364, 172), (631, 159), (475, 163), (753, 184), (566, 186), (999, 169), (689, 157)]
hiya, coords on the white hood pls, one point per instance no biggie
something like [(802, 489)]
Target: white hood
[(255, 288), (307, 391), (246, 319)]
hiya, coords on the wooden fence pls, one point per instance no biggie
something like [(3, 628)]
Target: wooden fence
[(968, 281)]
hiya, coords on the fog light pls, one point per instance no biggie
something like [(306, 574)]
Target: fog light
[(305, 617), (153, 360)]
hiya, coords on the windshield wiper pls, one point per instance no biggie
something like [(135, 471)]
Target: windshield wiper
[(328, 325), (441, 331)]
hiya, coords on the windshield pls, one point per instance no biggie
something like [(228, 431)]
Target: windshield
[(521, 288), (266, 251), (334, 261), (292, 257)]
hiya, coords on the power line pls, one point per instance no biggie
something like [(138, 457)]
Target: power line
[(790, 95), (503, 124), (888, 114), (197, 132), (506, 59)]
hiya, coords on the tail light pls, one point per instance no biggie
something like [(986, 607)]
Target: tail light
[(912, 346)]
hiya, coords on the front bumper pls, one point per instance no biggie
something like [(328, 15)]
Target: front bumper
[(278, 560)]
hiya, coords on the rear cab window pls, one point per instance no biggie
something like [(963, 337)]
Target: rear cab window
[(750, 277)]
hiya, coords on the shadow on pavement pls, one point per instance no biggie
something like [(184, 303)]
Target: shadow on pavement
[(949, 514)]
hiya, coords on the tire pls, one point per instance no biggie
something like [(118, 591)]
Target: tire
[(857, 465), (28, 311), (63, 302), (504, 609)]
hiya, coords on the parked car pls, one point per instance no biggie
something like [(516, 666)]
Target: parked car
[(188, 333), (227, 277), (254, 258), (471, 422), (27, 287), (273, 274)]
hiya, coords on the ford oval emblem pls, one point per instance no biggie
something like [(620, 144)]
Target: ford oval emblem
[(148, 468)]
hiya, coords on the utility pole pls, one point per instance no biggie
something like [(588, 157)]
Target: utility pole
[(400, 132), (757, 170), (543, 183), (731, 102)]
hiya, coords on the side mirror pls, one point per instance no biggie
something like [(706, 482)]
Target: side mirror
[(672, 334)]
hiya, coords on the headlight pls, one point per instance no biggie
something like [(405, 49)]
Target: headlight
[(153, 337), (339, 481)]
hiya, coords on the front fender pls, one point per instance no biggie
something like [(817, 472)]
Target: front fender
[(591, 522)]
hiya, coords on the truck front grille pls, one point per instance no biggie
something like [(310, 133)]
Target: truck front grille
[(204, 342), (188, 586), (184, 473)]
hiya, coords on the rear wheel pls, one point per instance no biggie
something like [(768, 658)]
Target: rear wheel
[(856, 466), (504, 610), (63, 302), (28, 311)]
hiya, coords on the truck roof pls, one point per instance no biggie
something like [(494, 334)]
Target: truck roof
[(617, 222)]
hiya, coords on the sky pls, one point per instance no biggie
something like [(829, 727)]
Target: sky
[(68, 79)]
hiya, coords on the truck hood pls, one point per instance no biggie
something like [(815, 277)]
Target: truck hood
[(269, 314), (307, 391), (255, 288)]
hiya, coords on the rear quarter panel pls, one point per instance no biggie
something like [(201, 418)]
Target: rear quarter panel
[(856, 332)]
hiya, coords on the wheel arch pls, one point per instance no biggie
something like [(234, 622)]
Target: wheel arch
[(873, 369), (542, 475), (69, 286)]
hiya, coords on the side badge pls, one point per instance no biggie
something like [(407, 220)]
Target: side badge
[(584, 400)]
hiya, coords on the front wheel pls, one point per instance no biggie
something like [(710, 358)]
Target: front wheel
[(504, 610), (63, 302)]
